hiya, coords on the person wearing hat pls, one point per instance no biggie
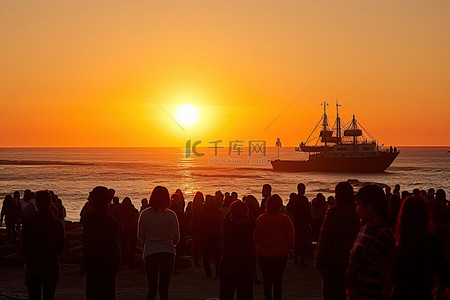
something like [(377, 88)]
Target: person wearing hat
[(100, 247), (237, 268)]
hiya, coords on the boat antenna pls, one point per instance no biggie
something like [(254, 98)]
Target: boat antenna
[(338, 122), (325, 120)]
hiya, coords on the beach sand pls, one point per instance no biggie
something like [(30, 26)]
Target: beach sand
[(189, 284)]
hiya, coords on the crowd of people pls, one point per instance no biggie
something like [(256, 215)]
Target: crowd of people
[(366, 244)]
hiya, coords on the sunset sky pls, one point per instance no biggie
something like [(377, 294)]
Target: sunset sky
[(112, 73)]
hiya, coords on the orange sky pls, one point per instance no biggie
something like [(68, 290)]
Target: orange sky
[(103, 73)]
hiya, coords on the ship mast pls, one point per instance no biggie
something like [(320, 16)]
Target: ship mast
[(354, 127), (325, 120), (338, 123)]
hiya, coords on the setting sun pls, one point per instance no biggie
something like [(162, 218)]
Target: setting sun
[(187, 114)]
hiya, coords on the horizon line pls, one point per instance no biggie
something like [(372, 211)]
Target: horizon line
[(288, 146)]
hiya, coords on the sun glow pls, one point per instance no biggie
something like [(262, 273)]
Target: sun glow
[(187, 115)]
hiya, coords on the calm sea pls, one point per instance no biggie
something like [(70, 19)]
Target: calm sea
[(134, 172)]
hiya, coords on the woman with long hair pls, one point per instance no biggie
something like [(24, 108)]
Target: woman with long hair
[(419, 256), (158, 229)]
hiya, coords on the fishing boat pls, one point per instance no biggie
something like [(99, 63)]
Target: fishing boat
[(339, 148)]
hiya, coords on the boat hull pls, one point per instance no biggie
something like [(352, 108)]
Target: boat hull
[(375, 164)]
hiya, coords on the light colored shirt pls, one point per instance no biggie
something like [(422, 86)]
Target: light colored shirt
[(159, 231)]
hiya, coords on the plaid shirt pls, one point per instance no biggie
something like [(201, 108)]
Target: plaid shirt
[(369, 273)]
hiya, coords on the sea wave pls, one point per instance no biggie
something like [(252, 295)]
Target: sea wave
[(225, 175), (6, 162), (393, 168)]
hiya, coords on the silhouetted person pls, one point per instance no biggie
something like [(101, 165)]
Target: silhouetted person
[(396, 203), (266, 193), (196, 227), (175, 207), (53, 206), (340, 228), (318, 209), (416, 192), (127, 216), (225, 209), (112, 207), (387, 192), (369, 270), (43, 241), (234, 196), (218, 197), (440, 216), (430, 195), (253, 213), (144, 204), (61, 211), (238, 265), (11, 213), (100, 247), (211, 228), (331, 201), (419, 255), (18, 204), (158, 229), (28, 205), (274, 239), (440, 196), (396, 189), (300, 209), (253, 207), (181, 199), (405, 194)]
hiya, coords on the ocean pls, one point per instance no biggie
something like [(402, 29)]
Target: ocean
[(72, 172)]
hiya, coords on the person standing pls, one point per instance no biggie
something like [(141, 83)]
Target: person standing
[(11, 214), (237, 268), (159, 231), (300, 208), (43, 241), (274, 239), (339, 230), (195, 227), (369, 273), (266, 193), (101, 251), (127, 216), (318, 209), (419, 255), (211, 229)]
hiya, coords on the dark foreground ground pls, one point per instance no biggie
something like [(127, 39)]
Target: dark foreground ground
[(189, 284)]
